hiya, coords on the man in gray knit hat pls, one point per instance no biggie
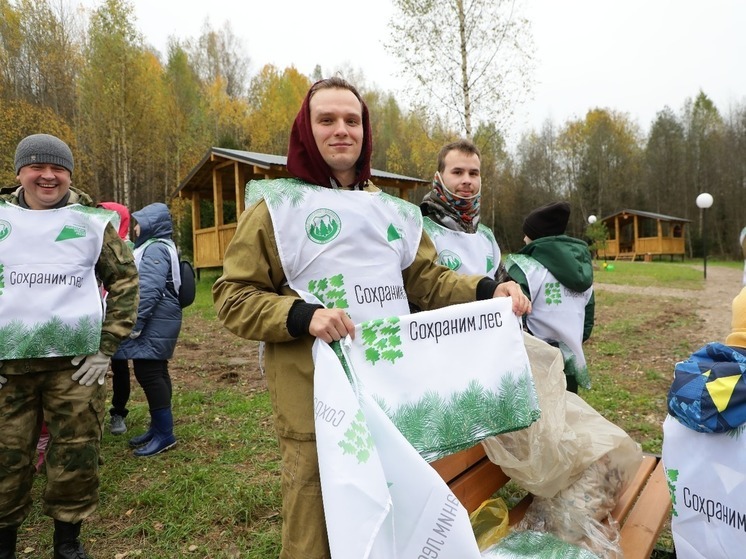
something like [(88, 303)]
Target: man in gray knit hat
[(44, 165), (56, 339)]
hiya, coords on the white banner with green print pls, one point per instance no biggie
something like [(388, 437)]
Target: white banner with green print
[(422, 385), (50, 303), (448, 378), (381, 499), (707, 479), (529, 544)]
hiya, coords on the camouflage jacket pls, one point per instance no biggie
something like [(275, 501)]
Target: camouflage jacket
[(118, 274)]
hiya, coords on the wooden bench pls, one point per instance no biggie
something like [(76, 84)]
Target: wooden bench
[(641, 511)]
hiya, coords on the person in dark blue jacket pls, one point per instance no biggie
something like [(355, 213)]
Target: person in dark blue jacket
[(153, 339)]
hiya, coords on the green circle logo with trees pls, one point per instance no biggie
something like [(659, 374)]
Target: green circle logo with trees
[(4, 229), (450, 259), (323, 226)]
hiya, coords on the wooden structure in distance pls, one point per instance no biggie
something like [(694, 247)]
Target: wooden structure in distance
[(221, 177), (637, 234)]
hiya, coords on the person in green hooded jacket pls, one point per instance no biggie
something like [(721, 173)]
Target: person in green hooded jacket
[(555, 272)]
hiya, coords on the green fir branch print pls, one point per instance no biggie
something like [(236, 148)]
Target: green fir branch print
[(525, 263), (330, 291), (382, 340), (736, 432), (437, 427), (432, 229), (2, 278), (529, 544), (94, 213), (278, 191), (486, 232), (405, 209), (573, 368), (46, 339)]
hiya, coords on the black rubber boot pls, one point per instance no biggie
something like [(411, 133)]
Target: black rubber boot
[(8, 538), (66, 542)]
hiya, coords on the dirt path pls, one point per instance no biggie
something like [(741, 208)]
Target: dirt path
[(713, 303)]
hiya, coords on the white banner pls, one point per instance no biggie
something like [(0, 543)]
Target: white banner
[(448, 378), (463, 371), (707, 481), (381, 499)]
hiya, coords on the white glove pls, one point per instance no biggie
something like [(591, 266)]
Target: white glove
[(93, 368)]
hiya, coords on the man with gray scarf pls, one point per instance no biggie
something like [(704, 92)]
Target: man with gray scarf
[(451, 211)]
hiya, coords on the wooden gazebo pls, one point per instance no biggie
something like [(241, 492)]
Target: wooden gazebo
[(636, 234), (220, 178)]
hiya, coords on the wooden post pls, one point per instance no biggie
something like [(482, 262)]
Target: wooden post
[(196, 216), (238, 174), (217, 196)]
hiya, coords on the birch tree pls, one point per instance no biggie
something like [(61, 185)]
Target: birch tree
[(470, 58), (123, 109)]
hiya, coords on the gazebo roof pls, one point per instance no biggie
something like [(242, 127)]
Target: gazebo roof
[(651, 215), (200, 177)]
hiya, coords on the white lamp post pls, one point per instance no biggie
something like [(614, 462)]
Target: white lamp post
[(591, 219), (704, 201)]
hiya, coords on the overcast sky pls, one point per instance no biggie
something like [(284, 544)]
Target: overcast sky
[(635, 56)]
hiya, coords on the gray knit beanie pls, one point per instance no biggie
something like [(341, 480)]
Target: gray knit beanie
[(43, 148)]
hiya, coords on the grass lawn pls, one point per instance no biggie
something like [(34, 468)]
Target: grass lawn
[(216, 494)]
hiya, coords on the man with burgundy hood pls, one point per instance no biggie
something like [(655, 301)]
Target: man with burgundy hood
[(294, 271)]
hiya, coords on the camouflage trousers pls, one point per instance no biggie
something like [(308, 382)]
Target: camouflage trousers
[(74, 415), (304, 533)]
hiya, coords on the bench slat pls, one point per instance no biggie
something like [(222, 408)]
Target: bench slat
[(478, 483), (519, 509), (644, 523), (453, 465), (629, 496)]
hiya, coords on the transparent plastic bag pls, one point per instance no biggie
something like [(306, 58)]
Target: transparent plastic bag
[(490, 522), (554, 451), (576, 513), (573, 460)]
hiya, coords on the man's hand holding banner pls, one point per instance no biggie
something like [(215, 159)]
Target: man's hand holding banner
[(406, 390)]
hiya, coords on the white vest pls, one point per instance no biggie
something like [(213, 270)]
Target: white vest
[(465, 253), (340, 248), (707, 481), (50, 303), (557, 315)]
